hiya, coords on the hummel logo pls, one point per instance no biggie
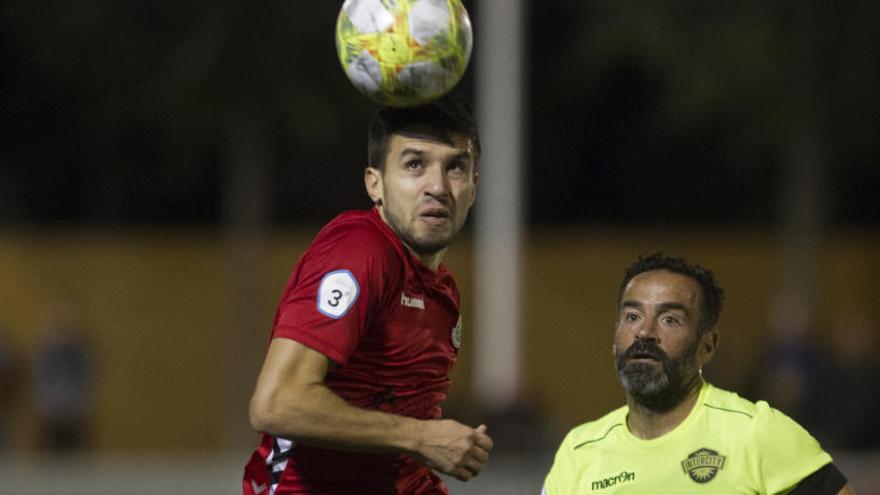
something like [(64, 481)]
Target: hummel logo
[(258, 488), (411, 302)]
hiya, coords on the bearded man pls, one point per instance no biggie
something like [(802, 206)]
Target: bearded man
[(678, 433)]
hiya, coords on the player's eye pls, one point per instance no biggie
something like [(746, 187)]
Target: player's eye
[(671, 320), (630, 317), (457, 166), (413, 164)]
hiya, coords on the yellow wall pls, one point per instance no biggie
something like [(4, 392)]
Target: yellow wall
[(158, 309)]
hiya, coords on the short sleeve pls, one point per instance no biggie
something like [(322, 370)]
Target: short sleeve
[(563, 472), (338, 287), (787, 452)]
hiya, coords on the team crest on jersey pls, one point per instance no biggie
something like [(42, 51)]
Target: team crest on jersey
[(456, 334), (703, 465)]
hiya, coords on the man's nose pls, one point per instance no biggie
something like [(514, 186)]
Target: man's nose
[(647, 330), (437, 182)]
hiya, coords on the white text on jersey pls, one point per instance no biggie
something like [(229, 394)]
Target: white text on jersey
[(411, 302)]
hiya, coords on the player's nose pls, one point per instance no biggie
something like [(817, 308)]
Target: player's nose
[(647, 328), (436, 181)]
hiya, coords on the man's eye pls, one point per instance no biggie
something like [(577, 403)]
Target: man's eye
[(630, 317), (670, 320), (413, 164)]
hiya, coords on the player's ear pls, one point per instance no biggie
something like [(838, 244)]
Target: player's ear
[(476, 181), (708, 344), (373, 183)]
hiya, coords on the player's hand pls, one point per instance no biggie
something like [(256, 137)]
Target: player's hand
[(454, 449)]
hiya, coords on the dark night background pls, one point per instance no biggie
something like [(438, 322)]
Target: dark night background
[(121, 113)]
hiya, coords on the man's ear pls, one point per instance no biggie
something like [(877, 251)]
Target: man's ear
[(373, 183), (476, 183), (708, 345)]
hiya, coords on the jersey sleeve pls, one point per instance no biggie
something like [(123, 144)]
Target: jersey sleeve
[(339, 286), (788, 453), (560, 480)]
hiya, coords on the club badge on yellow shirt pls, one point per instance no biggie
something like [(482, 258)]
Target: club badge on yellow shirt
[(703, 465)]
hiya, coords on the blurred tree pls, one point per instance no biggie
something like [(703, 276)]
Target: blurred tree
[(645, 103), (144, 101), (116, 112)]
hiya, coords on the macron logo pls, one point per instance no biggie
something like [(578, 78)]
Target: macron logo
[(258, 488), (411, 302)]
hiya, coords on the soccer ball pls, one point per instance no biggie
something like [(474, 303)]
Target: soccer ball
[(404, 52)]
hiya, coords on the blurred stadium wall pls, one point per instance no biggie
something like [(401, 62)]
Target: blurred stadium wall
[(155, 307)]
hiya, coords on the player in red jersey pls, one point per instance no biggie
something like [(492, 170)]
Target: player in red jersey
[(368, 328)]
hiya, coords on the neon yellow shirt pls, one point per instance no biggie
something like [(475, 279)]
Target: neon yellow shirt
[(726, 445)]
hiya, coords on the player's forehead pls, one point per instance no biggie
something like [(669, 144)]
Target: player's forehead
[(661, 287), (427, 139)]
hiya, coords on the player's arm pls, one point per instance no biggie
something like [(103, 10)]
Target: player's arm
[(292, 401)]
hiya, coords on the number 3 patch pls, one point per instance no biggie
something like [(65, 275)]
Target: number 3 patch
[(337, 293)]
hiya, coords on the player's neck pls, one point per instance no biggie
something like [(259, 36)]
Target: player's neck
[(646, 423), (431, 260)]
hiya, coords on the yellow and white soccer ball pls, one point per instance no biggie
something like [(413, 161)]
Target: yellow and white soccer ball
[(404, 52)]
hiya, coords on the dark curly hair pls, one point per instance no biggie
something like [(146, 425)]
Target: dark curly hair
[(712, 295)]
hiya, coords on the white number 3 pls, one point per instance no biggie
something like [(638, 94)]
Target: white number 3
[(337, 293)]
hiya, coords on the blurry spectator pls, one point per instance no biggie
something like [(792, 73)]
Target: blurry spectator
[(791, 365), (63, 383), (852, 419), (10, 385)]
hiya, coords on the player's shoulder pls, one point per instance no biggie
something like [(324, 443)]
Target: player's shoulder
[(729, 404), (749, 419), (354, 224), (360, 231), (594, 433)]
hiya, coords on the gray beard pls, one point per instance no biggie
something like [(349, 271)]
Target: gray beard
[(658, 390)]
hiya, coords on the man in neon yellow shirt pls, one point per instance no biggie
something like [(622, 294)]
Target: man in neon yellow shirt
[(678, 434)]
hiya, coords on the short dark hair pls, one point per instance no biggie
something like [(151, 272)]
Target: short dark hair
[(712, 295), (441, 118)]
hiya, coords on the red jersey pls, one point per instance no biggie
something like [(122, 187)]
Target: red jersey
[(392, 325)]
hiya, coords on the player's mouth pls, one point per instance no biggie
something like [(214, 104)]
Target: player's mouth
[(643, 356), (435, 216)]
